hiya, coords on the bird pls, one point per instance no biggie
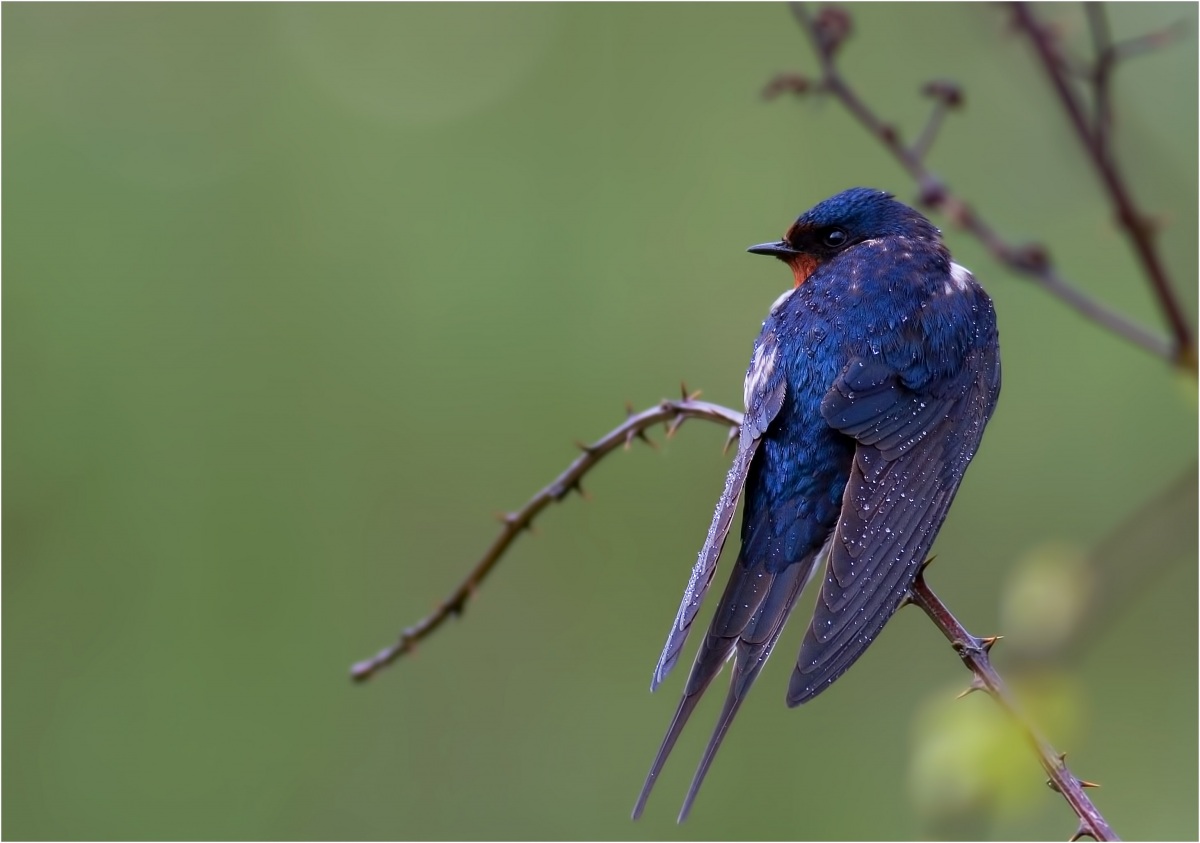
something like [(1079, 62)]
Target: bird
[(866, 396)]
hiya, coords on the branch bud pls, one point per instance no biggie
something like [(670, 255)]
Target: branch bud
[(787, 83), (946, 92), (833, 25)]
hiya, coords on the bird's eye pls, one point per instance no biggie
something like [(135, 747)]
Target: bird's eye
[(834, 237)]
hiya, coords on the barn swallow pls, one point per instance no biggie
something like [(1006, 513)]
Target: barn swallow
[(866, 397)]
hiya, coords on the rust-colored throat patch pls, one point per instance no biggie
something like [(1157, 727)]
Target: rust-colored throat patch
[(802, 267)]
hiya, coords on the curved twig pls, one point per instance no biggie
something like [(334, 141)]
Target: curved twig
[(972, 650), (672, 413)]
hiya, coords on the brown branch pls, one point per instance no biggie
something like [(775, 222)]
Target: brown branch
[(827, 31), (671, 413), (1107, 55), (974, 654), (972, 650), (1138, 226), (1101, 75)]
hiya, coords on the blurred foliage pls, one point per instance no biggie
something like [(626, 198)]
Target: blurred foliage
[(297, 296), (1047, 596), (970, 764)]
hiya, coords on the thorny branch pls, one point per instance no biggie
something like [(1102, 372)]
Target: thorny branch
[(973, 651), (974, 654), (829, 29), (671, 413)]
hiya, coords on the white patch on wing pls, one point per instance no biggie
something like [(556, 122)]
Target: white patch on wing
[(961, 276), (761, 367), (784, 297)]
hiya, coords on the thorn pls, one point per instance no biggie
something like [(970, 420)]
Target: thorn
[(1080, 833), (674, 423), (1053, 785), (683, 392), (639, 433), (629, 411), (975, 646), (925, 564), (976, 685), (1062, 759), (734, 432), (587, 449)]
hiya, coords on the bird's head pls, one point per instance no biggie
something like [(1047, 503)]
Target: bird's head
[(840, 223)]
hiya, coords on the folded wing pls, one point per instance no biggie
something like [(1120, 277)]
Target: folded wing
[(765, 388), (912, 449)]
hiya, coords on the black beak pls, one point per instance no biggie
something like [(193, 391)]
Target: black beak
[(779, 249)]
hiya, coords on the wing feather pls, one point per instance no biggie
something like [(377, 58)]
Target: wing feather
[(912, 449), (756, 599), (765, 389)]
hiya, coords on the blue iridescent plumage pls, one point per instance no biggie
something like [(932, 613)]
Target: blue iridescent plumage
[(867, 394)]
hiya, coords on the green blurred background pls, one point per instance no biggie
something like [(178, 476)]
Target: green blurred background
[(297, 297)]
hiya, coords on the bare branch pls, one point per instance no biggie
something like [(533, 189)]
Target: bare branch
[(1138, 226), (1152, 41), (1101, 75), (972, 650), (827, 31)]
